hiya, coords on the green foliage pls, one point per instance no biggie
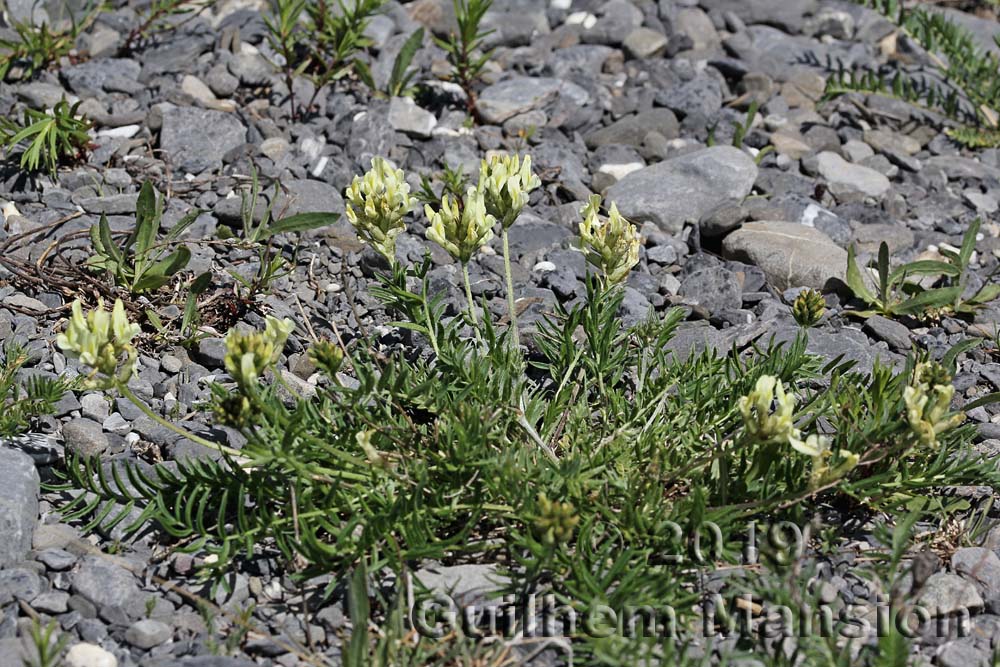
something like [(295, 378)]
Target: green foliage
[(143, 261), (324, 45), (49, 644), (36, 48), (158, 17), (895, 294), (465, 48), (259, 234), (454, 183), (55, 137), (401, 76), (24, 402), (967, 89), (581, 467)]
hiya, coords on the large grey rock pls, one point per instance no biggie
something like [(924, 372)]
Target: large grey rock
[(104, 583), (945, 593), (779, 55), (19, 487), (464, 584), (684, 188), (715, 288), (84, 437), (788, 15), (631, 130), (148, 633), (790, 254), (405, 116), (196, 139), (93, 76), (844, 177), (981, 566), (519, 94)]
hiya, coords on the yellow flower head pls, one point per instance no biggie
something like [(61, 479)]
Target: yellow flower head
[(758, 418), (612, 243), (248, 356), (376, 205), (100, 340), (506, 183), (461, 230), (928, 402), (818, 447), (555, 522)]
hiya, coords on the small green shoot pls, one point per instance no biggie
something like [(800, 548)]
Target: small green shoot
[(53, 138)]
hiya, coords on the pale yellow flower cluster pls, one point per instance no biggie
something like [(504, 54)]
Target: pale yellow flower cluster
[(506, 183), (928, 403), (101, 340), (778, 425), (249, 355), (461, 228), (612, 243), (376, 205)]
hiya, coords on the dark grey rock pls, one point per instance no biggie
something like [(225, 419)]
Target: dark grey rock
[(892, 332), (19, 583), (147, 633), (790, 254), (945, 593), (699, 96), (84, 437), (211, 352), (19, 488), (981, 566), (90, 77), (714, 288), (519, 94), (789, 15), (697, 183), (196, 139), (104, 583), (632, 130)]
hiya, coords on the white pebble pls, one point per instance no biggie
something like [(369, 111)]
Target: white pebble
[(544, 266), (89, 655)]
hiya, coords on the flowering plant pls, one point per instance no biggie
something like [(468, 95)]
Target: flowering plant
[(376, 205)]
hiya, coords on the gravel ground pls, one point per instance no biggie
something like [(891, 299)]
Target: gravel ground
[(618, 97)]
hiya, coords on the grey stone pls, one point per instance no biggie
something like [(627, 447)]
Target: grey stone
[(19, 583), (962, 653), (196, 139), (90, 78), (211, 352), (632, 130), (95, 406), (790, 254), (405, 116), (789, 15), (981, 566), (104, 583), (84, 437), (892, 332), (251, 69), (645, 43), (52, 602), (701, 95), (956, 166), (56, 559), (39, 95), (887, 141), (148, 633), (945, 593), (714, 288), (844, 177), (684, 188), (519, 94), (465, 584), (19, 488)]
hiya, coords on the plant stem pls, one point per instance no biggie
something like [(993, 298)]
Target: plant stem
[(431, 326), (141, 404), (510, 289), (472, 303)]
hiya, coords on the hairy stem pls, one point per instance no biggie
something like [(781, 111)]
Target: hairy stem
[(510, 289), (141, 404), (472, 303)]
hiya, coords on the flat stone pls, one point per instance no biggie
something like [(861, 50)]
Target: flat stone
[(84, 437), (19, 583), (685, 188), (104, 583), (148, 633), (89, 655), (844, 177), (892, 332), (405, 116), (981, 566), (632, 130), (790, 254), (714, 288), (887, 141), (24, 302), (520, 94), (19, 489), (945, 593), (645, 43), (196, 139)]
